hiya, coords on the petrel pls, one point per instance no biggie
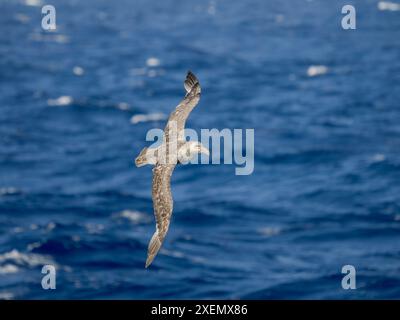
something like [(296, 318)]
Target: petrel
[(173, 150)]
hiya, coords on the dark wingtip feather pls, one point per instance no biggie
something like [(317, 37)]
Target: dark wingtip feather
[(191, 81)]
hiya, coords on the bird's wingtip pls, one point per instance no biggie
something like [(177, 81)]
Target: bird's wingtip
[(191, 81)]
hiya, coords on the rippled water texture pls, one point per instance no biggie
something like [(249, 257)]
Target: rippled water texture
[(75, 107)]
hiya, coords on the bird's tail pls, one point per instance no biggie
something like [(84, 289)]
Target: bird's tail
[(154, 246)]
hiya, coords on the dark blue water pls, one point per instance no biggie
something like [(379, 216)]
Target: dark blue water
[(325, 191)]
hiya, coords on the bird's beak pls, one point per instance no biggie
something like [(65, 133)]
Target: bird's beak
[(204, 150), (140, 162)]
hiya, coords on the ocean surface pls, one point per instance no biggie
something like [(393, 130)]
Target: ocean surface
[(75, 107)]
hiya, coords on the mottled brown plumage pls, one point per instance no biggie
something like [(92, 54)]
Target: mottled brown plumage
[(177, 119), (165, 158)]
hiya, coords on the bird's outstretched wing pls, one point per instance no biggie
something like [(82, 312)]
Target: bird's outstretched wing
[(163, 204), (177, 119), (161, 193)]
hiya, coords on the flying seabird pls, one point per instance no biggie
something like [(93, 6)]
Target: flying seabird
[(173, 150)]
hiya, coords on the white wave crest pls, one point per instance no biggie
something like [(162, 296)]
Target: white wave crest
[(60, 101), (16, 258), (8, 268), (8, 190), (33, 3), (6, 296), (269, 231), (388, 6), (152, 62), (134, 216), (78, 71), (313, 71), (148, 117)]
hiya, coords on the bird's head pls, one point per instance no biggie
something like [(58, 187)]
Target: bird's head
[(190, 150), (146, 156)]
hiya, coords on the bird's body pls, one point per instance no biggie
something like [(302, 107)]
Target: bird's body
[(174, 149)]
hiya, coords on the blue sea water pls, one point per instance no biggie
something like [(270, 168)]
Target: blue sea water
[(325, 191)]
